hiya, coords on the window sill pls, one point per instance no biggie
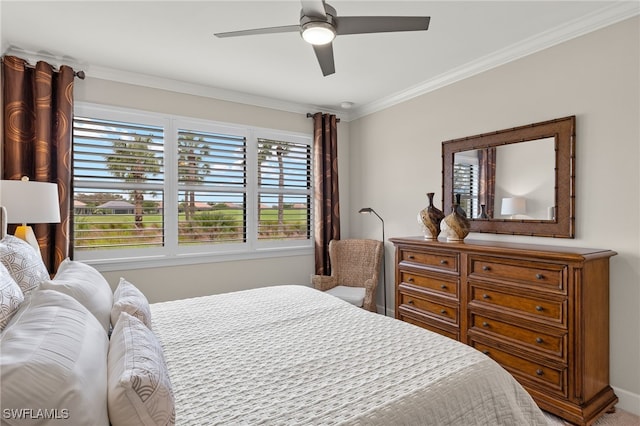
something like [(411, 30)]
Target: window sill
[(144, 262)]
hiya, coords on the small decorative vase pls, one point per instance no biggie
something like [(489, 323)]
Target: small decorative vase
[(454, 227), (429, 218), (483, 212), (459, 208)]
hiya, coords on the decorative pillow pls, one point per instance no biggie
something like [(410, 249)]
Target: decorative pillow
[(139, 386), (87, 286), (127, 298), (23, 263), (10, 297), (53, 356)]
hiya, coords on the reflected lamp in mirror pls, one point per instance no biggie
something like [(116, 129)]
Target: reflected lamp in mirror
[(513, 207), (28, 202)]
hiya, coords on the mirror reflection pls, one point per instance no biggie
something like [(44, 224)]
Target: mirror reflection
[(509, 182)]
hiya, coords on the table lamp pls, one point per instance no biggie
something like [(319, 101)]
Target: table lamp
[(513, 206), (29, 202)]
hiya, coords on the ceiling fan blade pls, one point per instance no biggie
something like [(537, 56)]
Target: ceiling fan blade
[(271, 30), (380, 24), (324, 53), (314, 8)]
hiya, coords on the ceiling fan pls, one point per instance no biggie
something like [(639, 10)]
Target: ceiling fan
[(320, 24)]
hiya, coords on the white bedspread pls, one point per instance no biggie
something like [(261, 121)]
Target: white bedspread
[(293, 355)]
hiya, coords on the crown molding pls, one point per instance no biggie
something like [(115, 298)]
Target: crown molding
[(601, 18)]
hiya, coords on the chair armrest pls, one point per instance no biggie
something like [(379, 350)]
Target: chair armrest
[(370, 284), (323, 282)]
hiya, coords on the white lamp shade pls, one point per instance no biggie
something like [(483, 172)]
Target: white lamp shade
[(30, 202), (513, 206)]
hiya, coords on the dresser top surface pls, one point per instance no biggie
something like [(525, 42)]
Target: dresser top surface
[(471, 245)]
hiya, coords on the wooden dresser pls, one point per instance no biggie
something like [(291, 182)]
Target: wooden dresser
[(542, 312)]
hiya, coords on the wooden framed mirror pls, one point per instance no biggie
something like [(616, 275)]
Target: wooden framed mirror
[(514, 181)]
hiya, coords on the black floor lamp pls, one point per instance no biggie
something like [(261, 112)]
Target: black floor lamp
[(367, 210)]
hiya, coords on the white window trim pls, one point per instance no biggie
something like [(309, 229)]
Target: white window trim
[(171, 254)]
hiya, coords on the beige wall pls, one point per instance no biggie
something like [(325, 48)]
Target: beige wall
[(168, 283), (396, 159)]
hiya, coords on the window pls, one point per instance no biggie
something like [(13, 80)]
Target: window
[(152, 186), (466, 183)]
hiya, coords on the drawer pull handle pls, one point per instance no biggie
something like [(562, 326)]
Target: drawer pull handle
[(539, 308), (442, 286), (539, 276), (443, 262), (486, 352), (485, 324), (443, 311), (411, 257), (539, 340), (539, 372), (486, 268), (486, 296), (410, 279), (410, 302)]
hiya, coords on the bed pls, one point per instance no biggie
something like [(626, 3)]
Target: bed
[(74, 352)]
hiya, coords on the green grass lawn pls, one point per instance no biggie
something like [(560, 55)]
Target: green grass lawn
[(206, 227)]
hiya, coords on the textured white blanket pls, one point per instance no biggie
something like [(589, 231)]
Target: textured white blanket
[(293, 355)]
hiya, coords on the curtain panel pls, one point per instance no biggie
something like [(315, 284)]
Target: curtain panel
[(326, 199), (37, 105), (487, 160)]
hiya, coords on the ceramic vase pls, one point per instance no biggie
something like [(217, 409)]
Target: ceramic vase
[(429, 219), (454, 227), (483, 212), (458, 206)]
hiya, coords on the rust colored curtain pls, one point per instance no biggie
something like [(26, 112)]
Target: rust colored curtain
[(37, 105), (487, 160), (326, 200)]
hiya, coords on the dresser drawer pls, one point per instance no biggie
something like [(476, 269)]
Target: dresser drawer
[(424, 323), (537, 274), (533, 340), (439, 261), (540, 310), (528, 372), (441, 311), (438, 285)]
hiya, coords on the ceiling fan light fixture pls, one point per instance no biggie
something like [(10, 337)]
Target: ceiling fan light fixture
[(318, 33)]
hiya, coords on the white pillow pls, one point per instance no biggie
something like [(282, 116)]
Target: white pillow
[(53, 355), (10, 297), (23, 263), (87, 286), (127, 298), (139, 386)]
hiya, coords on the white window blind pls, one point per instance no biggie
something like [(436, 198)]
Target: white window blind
[(466, 183), (118, 184), (284, 184), (212, 185), (152, 187)]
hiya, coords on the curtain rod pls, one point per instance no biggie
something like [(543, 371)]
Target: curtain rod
[(309, 115), (80, 74)]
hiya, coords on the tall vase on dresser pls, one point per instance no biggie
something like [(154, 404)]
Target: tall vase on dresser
[(429, 219), (455, 226)]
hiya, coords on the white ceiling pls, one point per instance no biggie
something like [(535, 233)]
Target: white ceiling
[(170, 44)]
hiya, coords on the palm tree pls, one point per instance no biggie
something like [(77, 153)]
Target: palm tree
[(191, 168), (267, 150), (134, 162)]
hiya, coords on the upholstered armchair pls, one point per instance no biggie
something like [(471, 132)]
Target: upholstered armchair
[(355, 267)]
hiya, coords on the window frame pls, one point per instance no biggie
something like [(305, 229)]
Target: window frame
[(172, 254)]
